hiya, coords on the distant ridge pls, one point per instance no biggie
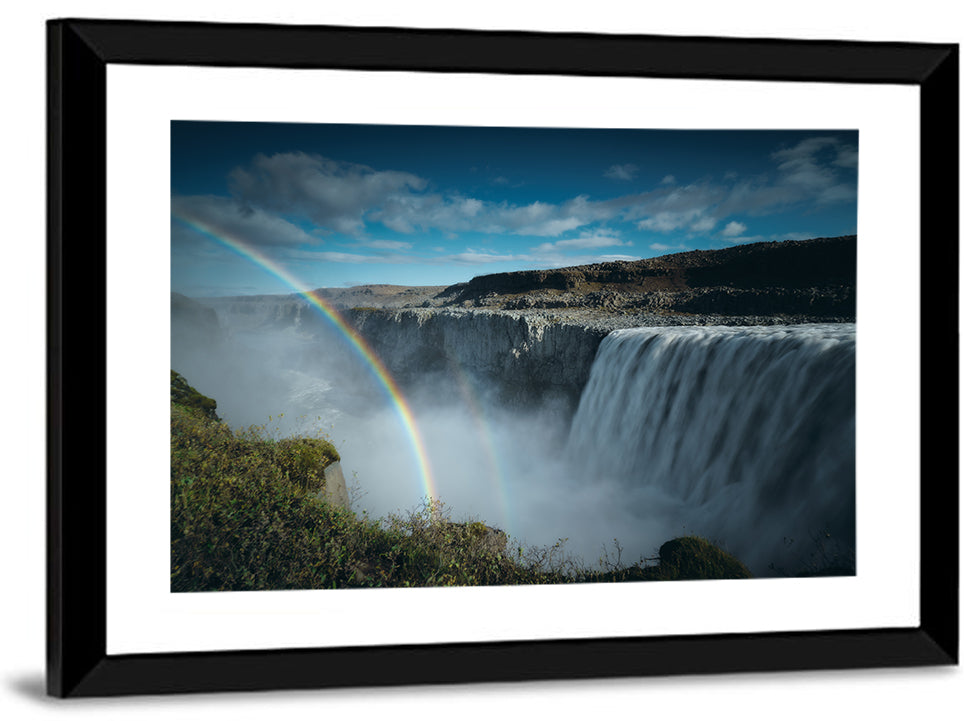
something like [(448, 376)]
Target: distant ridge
[(822, 262), (378, 295), (786, 281)]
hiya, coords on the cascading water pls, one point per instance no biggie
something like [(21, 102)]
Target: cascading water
[(750, 432)]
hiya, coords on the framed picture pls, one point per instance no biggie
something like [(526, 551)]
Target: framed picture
[(470, 167)]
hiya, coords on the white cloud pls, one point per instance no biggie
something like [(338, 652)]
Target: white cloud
[(272, 191), (470, 214), (384, 244), (333, 256), (692, 219), (226, 218), (808, 169), (805, 150), (478, 257), (330, 193), (537, 219), (816, 170), (703, 224), (841, 192), (846, 156), (688, 207), (470, 207), (344, 197), (627, 171), (410, 213), (583, 242), (663, 248)]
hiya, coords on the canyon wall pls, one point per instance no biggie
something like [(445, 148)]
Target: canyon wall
[(523, 357)]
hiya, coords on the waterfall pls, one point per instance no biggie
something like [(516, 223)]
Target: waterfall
[(743, 435), (750, 430)]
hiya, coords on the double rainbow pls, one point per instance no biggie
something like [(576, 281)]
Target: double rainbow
[(355, 341)]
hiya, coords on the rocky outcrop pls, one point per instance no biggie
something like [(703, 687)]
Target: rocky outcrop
[(521, 356), (818, 304), (688, 558), (832, 304), (183, 394), (814, 277), (378, 295), (335, 491), (694, 558)]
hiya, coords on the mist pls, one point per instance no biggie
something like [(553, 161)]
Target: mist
[(642, 461), (507, 467)]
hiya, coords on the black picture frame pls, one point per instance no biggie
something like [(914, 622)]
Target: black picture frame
[(79, 52)]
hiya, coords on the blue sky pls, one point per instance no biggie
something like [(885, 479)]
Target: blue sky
[(341, 205)]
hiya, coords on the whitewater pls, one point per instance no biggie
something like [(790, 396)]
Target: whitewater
[(749, 432)]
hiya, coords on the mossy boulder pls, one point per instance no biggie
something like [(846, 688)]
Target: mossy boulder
[(683, 559), (692, 557)]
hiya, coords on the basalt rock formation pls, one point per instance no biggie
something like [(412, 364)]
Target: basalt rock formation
[(812, 277)]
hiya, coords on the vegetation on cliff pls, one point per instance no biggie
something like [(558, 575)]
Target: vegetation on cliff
[(246, 514), (185, 396)]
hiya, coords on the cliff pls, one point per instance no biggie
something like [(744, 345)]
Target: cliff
[(813, 277), (529, 334), (519, 355), (192, 322)]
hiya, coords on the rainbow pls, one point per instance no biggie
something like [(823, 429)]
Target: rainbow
[(359, 344), (470, 398)]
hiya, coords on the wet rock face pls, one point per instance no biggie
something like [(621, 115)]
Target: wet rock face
[(335, 491)]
